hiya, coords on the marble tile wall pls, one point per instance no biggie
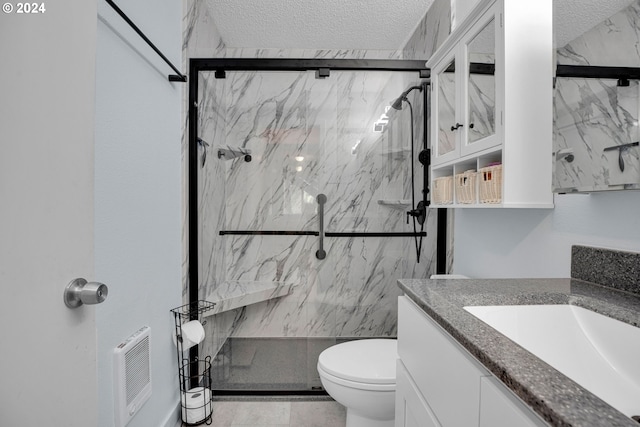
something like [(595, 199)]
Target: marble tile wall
[(353, 291), (201, 39), (432, 31), (329, 123), (593, 114)]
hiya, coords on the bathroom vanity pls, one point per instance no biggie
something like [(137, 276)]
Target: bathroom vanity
[(438, 380), (454, 369)]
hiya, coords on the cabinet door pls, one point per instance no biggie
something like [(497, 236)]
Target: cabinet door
[(479, 99), (411, 408), (446, 111), (501, 408), (444, 372)]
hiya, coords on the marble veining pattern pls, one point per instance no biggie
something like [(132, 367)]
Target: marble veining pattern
[(298, 118), (593, 114), (231, 295), (352, 292), (482, 90), (329, 123), (431, 32), (446, 94)]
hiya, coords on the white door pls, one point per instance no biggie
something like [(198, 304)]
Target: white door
[(47, 80)]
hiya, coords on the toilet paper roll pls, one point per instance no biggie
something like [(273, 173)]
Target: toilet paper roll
[(196, 405), (192, 334)]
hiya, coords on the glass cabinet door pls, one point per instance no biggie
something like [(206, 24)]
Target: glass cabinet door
[(481, 90), (446, 110)]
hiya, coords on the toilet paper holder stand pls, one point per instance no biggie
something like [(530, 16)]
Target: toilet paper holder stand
[(193, 374)]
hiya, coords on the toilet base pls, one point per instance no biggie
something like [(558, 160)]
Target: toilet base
[(356, 420)]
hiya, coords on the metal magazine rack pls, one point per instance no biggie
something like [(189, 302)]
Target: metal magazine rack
[(194, 374)]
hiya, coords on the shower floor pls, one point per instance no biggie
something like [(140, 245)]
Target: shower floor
[(269, 365)]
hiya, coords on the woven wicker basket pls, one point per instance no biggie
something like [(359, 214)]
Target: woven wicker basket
[(490, 184), (466, 187), (443, 190)]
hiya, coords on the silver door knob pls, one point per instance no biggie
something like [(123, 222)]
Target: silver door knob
[(79, 292)]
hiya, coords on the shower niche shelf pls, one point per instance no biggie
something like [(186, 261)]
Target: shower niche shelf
[(230, 295), (397, 153), (399, 204)]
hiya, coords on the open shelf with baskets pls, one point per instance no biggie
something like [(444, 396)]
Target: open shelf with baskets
[(194, 375), (470, 182)]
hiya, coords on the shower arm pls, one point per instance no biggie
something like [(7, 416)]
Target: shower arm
[(232, 153)]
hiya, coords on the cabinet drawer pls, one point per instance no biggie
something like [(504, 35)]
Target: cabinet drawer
[(499, 407), (444, 372), (411, 409)]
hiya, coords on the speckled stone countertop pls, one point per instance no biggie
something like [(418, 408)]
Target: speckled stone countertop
[(556, 398)]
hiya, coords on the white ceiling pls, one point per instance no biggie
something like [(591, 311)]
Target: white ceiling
[(317, 24), (363, 24), (574, 17)]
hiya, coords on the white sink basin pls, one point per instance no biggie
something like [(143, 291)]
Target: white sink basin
[(599, 353)]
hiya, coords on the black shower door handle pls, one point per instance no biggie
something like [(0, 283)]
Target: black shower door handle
[(321, 199)]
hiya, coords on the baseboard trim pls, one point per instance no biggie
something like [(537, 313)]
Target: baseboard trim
[(174, 418)]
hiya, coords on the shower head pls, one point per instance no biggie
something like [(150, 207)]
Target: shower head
[(397, 103)]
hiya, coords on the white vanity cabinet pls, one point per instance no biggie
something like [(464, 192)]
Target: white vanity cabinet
[(491, 103), (500, 407), (440, 384), (411, 408)]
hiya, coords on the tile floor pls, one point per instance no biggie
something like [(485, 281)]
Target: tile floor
[(269, 363), (278, 414)]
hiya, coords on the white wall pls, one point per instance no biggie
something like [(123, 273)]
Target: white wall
[(138, 166), (491, 243)]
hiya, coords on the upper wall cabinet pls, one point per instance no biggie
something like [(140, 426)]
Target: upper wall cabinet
[(491, 108)]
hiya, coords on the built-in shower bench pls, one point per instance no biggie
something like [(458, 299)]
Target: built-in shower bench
[(235, 294)]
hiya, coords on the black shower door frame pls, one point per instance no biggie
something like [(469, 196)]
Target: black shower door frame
[(323, 68)]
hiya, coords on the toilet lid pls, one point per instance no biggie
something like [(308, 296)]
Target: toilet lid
[(365, 361)]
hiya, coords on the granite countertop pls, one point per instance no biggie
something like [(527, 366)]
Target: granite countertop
[(555, 397)]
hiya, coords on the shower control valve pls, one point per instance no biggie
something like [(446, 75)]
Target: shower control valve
[(419, 213), (413, 213)]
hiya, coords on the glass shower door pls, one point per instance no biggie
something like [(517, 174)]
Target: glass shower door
[(259, 219)]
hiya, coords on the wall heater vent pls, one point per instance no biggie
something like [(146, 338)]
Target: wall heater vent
[(132, 375)]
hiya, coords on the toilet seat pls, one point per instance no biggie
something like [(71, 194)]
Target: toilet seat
[(355, 384), (368, 364)]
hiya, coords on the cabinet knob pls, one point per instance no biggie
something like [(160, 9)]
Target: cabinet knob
[(458, 125)]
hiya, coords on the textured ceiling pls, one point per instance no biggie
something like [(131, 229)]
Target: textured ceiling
[(363, 24), (573, 17), (317, 24)]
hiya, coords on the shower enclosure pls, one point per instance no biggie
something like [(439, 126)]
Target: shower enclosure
[(304, 180)]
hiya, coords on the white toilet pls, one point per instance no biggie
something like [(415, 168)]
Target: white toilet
[(361, 375)]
